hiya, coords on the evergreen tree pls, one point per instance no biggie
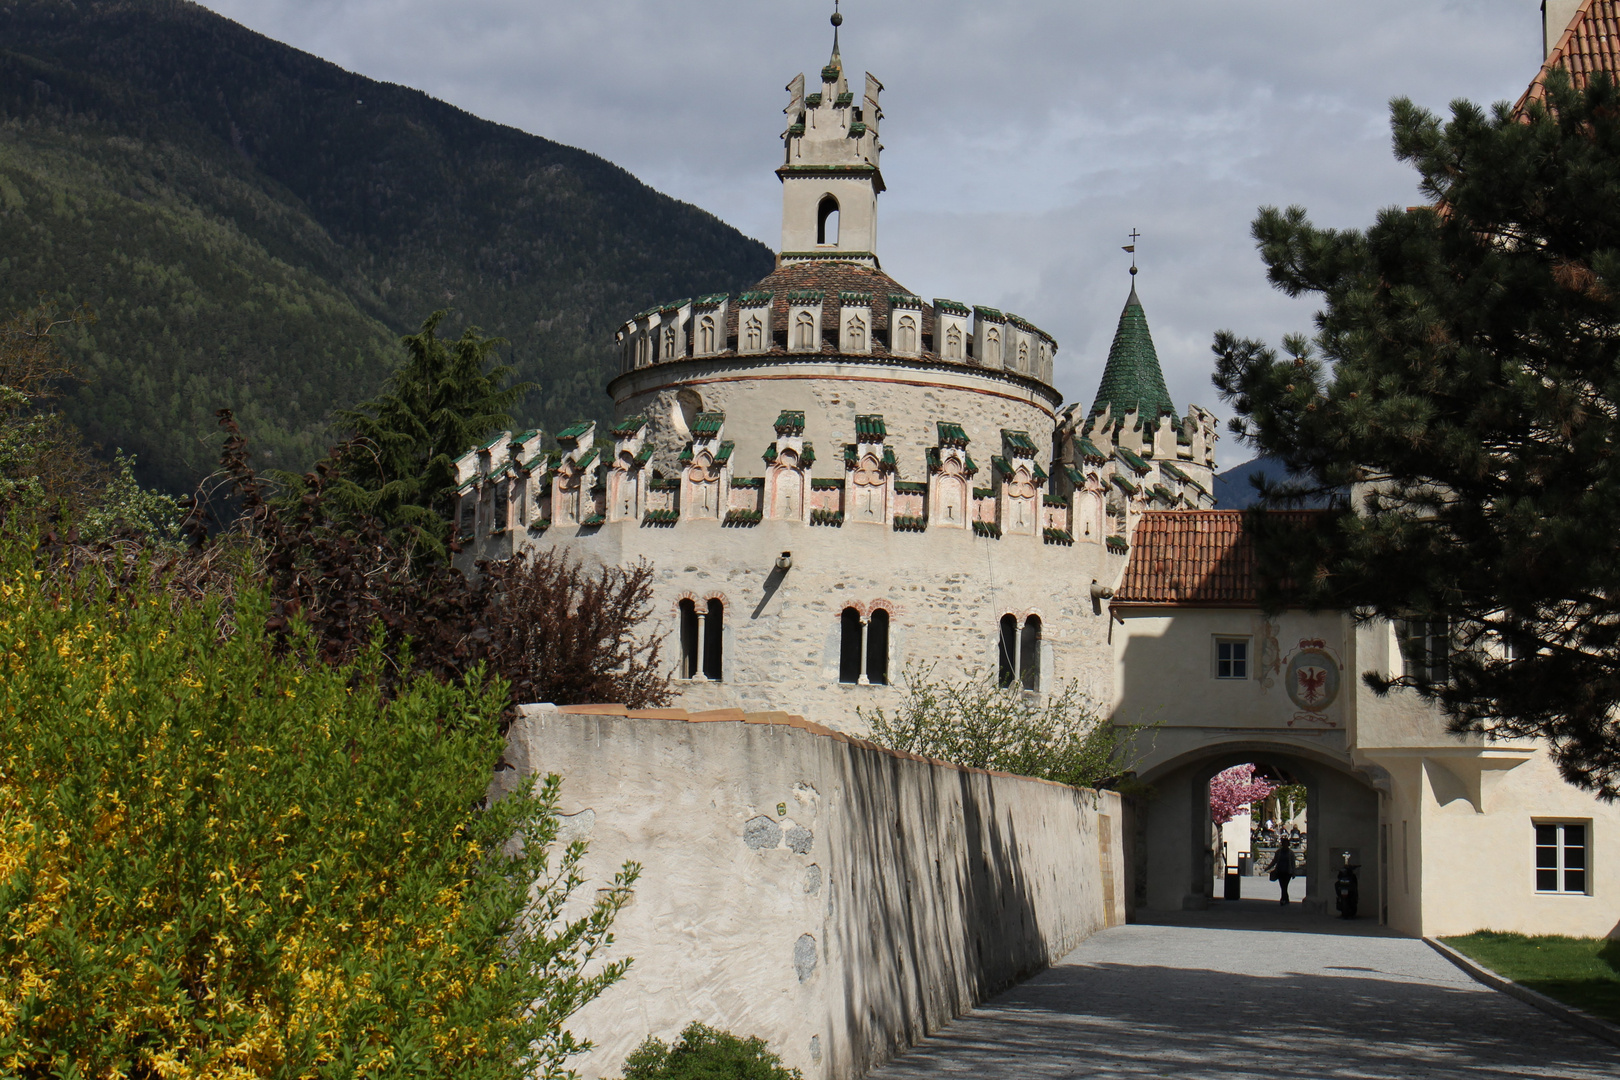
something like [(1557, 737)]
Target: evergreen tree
[(399, 467), (1461, 402)]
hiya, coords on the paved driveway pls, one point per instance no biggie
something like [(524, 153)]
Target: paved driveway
[(1250, 990)]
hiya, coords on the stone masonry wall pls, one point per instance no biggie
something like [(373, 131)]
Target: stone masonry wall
[(837, 899)]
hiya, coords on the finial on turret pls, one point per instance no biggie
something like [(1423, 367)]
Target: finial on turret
[(837, 21), (1131, 249)]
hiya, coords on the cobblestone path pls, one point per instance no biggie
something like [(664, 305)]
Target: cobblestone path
[(1259, 993)]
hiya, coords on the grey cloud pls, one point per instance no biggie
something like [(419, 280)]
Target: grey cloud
[(1022, 140)]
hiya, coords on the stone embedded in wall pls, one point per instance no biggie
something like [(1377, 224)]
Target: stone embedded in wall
[(799, 839), (804, 957), (762, 834), (812, 880)]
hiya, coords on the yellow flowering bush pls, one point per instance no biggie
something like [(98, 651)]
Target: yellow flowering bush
[(218, 859)]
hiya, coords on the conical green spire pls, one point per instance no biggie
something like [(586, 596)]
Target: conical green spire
[(1132, 378)]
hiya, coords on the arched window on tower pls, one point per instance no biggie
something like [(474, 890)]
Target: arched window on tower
[(1008, 651), (849, 646), (992, 346), (953, 344), (804, 331), (1029, 653), (756, 334), (706, 334), (669, 343), (714, 625), (689, 639), (905, 339), (827, 221), (857, 334), (1023, 356), (877, 648)]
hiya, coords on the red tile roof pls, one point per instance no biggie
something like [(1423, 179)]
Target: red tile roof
[(1590, 44), (1194, 558), (830, 277)]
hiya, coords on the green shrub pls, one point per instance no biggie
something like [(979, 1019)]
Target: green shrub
[(223, 859), (706, 1054)]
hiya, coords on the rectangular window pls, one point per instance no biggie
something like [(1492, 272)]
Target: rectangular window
[(1232, 658), (1425, 650), (1561, 856)]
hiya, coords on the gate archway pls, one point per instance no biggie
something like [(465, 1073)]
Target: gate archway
[(1173, 868)]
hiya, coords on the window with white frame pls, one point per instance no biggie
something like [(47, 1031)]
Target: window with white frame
[(1425, 650), (1231, 658), (1561, 862)]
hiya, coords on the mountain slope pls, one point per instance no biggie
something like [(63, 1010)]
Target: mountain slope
[(255, 225)]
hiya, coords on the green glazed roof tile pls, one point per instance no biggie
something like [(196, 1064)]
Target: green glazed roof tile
[(1125, 485), (813, 101), (1019, 441), (951, 306), (573, 432), (711, 300), (707, 424), (870, 428), (790, 422), (725, 451), (860, 298), (989, 314), (1173, 472), (1088, 450), (1000, 464), (586, 459), (1130, 458), (809, 457), (857, 129), (805, 296), (889, 461), (950, 434), (770, 455), (627, 427), (905, 300), (753, 299), (1132, 379)]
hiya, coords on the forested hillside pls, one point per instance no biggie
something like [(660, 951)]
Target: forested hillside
[(255, 226)]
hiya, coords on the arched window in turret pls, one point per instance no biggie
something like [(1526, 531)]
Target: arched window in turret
[(849, 646), (706, 334), (714, 626), (756, 334), (804, 331), (857, 334), (669, 343), (1029, 653), (905, 338), (1023, 356), (992, 346), (877, 648), (827, 221), (1008, 651), (953, 344), (689, 639)]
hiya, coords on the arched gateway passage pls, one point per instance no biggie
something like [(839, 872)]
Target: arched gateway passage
[(1175, 839)]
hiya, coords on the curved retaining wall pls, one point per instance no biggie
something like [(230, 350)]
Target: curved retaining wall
[(840, 900)]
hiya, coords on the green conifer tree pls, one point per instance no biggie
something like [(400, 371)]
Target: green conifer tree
[(399, 467), (1461, 402)]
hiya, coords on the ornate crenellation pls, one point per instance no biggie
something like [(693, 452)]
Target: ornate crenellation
[(849, 323), (510, 484)]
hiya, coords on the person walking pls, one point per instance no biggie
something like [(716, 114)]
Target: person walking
[(1282, 867)]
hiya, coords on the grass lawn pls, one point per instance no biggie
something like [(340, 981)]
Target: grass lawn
[(1583, 972)]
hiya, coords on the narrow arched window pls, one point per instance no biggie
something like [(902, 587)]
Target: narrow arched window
[(756, 334), (1029, 653), (877, 648), (669, 343), (1023, 356), (857, 334), (906, 339), (1008, 651), (713, 626), (849, 646), (992, 346), (689, 639), (706, 334), (804, 331), (827, 221), (953, 344)]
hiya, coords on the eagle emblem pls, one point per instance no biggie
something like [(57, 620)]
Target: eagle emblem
[(1312, 677)]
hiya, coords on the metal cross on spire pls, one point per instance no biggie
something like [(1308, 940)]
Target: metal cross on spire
[(1130, 247)]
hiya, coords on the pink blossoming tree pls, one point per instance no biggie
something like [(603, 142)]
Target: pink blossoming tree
[(1232, 791)]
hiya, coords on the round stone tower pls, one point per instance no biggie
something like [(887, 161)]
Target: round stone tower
[(840, 483)]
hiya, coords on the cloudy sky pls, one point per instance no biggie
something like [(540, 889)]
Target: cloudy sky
[(1022, 140)]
